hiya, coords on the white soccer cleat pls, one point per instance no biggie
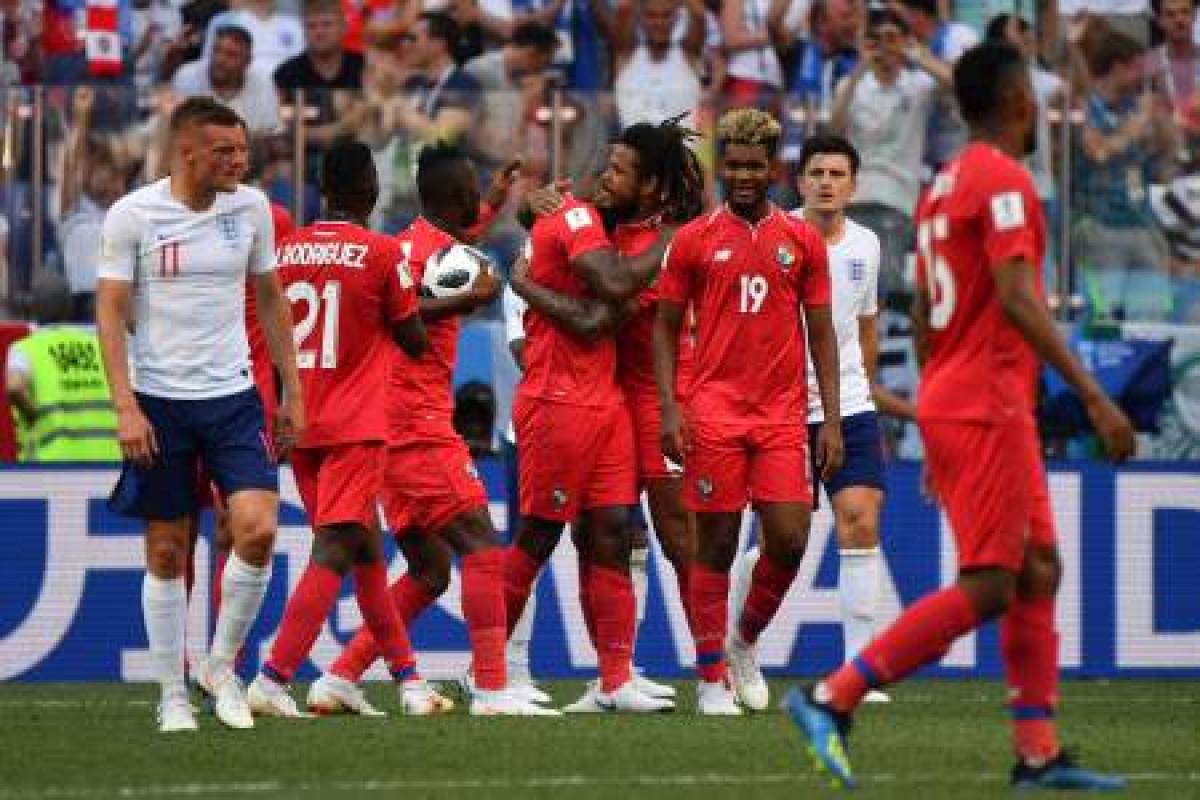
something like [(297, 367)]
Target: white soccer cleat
[(505, 704), (175, 714), (267, 698), (651, 688), (716, 699), (586, 704), (529, 692), (330, 694), (745, 675), (876, 696), (741, 576), (420, 699), (229, 699), (628, 700)]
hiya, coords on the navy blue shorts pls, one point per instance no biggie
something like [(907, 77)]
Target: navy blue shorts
[(227, 434), (863, 465)]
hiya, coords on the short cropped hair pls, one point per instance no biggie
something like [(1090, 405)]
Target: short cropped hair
[(983, 75), (196, 111), (826, 145)]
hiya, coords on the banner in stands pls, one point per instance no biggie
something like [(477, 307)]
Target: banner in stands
[(70, 574)]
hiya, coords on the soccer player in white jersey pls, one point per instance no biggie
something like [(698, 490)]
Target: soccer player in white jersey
[(174, 262), (828, 165)]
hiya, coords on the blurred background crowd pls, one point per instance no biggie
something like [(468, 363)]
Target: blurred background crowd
[(86, 85)]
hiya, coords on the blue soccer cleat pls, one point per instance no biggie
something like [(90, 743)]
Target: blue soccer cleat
[(825, 730), (1063, 774)]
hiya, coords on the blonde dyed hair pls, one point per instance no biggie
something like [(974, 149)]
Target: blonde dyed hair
[(749, 126)]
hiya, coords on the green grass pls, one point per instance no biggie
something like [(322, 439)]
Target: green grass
[(939, 739)]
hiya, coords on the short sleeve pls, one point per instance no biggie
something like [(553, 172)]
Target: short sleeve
[(581, 231), (400, 291), (679, 266), (870, 296), (814, 283), (262, 249), (1006, 220), (119, 243)]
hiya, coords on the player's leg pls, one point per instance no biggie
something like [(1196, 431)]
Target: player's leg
[(517, 650), (639, 562), (675, 529), (856, 511), (164, 610)]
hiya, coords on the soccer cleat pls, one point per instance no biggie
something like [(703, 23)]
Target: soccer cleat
[(175, 714), (331, 694), (745, 675), (586, 704), (716, 699), (876, 696), (267, 698), (506, 704), (1063, 774), (529, 692), (825, 731), (651, 688), (229, 699), (626, 699), (741, 576), (420, 699)]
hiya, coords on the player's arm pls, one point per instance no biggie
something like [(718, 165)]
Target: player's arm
[(581, 317), (1025, 310), (668, 324), (275, 318), (887, 401), (410, 335), (484, 290), (616, 277), (816, 304), (18, 386)]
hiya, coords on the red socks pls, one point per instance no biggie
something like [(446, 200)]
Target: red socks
[(520, 572), (709, 593), (381, 620), (409, 598), (1029, 648), (586, 601), (615, 617), (483, 609), (306, 612), (768, 587), (922, 634)]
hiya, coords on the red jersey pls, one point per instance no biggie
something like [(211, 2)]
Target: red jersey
[(559, 366), (347, 286), (420, 402), (260, 354), (747, 283), (982, 214)]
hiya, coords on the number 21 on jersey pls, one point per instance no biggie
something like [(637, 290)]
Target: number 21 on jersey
[(939, 279), (321, 306)]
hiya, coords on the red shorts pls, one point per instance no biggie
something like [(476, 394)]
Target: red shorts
[(573, 458), (340, 483), (644, 413), (429, 484), (992, 484), (729, 465)]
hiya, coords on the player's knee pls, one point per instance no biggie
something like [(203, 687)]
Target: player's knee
[(337, 549), (857, 530), (434, 580), (166, 558), (991, 590), (255, 539), (1041, 572)]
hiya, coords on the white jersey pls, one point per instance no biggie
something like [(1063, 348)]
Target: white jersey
[(188, 271), (853, 282)]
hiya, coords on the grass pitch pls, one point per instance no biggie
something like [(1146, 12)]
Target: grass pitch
[(939, 739)]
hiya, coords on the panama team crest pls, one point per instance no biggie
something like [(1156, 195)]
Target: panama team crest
[(785, 257)]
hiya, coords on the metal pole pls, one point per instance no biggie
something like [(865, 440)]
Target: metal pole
[(298, 137), (556, 132), (1062, 280), (38, 179)]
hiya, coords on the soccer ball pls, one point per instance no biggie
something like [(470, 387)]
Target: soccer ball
[(451, 271)]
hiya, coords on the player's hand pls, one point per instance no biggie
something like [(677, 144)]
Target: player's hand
[(1113, 427), (289, 423), (544, 201), (486, 286), (136, 436), (928, 490), (83, 101), (502, 182), (674, 434), (830, 450)]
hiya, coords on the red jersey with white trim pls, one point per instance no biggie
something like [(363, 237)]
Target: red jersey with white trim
[(747, 283), (982, 214), (420, 400), (559, 366), (347, 287)]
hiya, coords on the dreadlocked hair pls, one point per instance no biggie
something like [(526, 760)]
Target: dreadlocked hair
[(749, 126), (664, 155)]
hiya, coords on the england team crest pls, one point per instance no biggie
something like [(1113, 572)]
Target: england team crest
[(227, 224), (858, 270)]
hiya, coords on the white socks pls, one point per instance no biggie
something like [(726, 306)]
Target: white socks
[(164, 609), (641, 583), (242, 590), (517, 652), (858, 590)]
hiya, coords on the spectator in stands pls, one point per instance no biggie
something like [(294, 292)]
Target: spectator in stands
[(753, 74), (155, 23), (1175, 62), (56, 386), (582, 26), (883, 108), (91, 181), (19, 47), (275, 36), (324, 63), (189, 43), (227, 76), (943, 41), (447, 96), (816, 63), (1127, 132), (657, 76)]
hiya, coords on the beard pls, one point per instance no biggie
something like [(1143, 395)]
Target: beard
[(1030, 143), (612, 216)]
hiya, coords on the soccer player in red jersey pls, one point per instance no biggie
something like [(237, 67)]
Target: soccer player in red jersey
[(751, 272), (352, 302), (577, 449), (982, 325), (651, 179), (433, 499)]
